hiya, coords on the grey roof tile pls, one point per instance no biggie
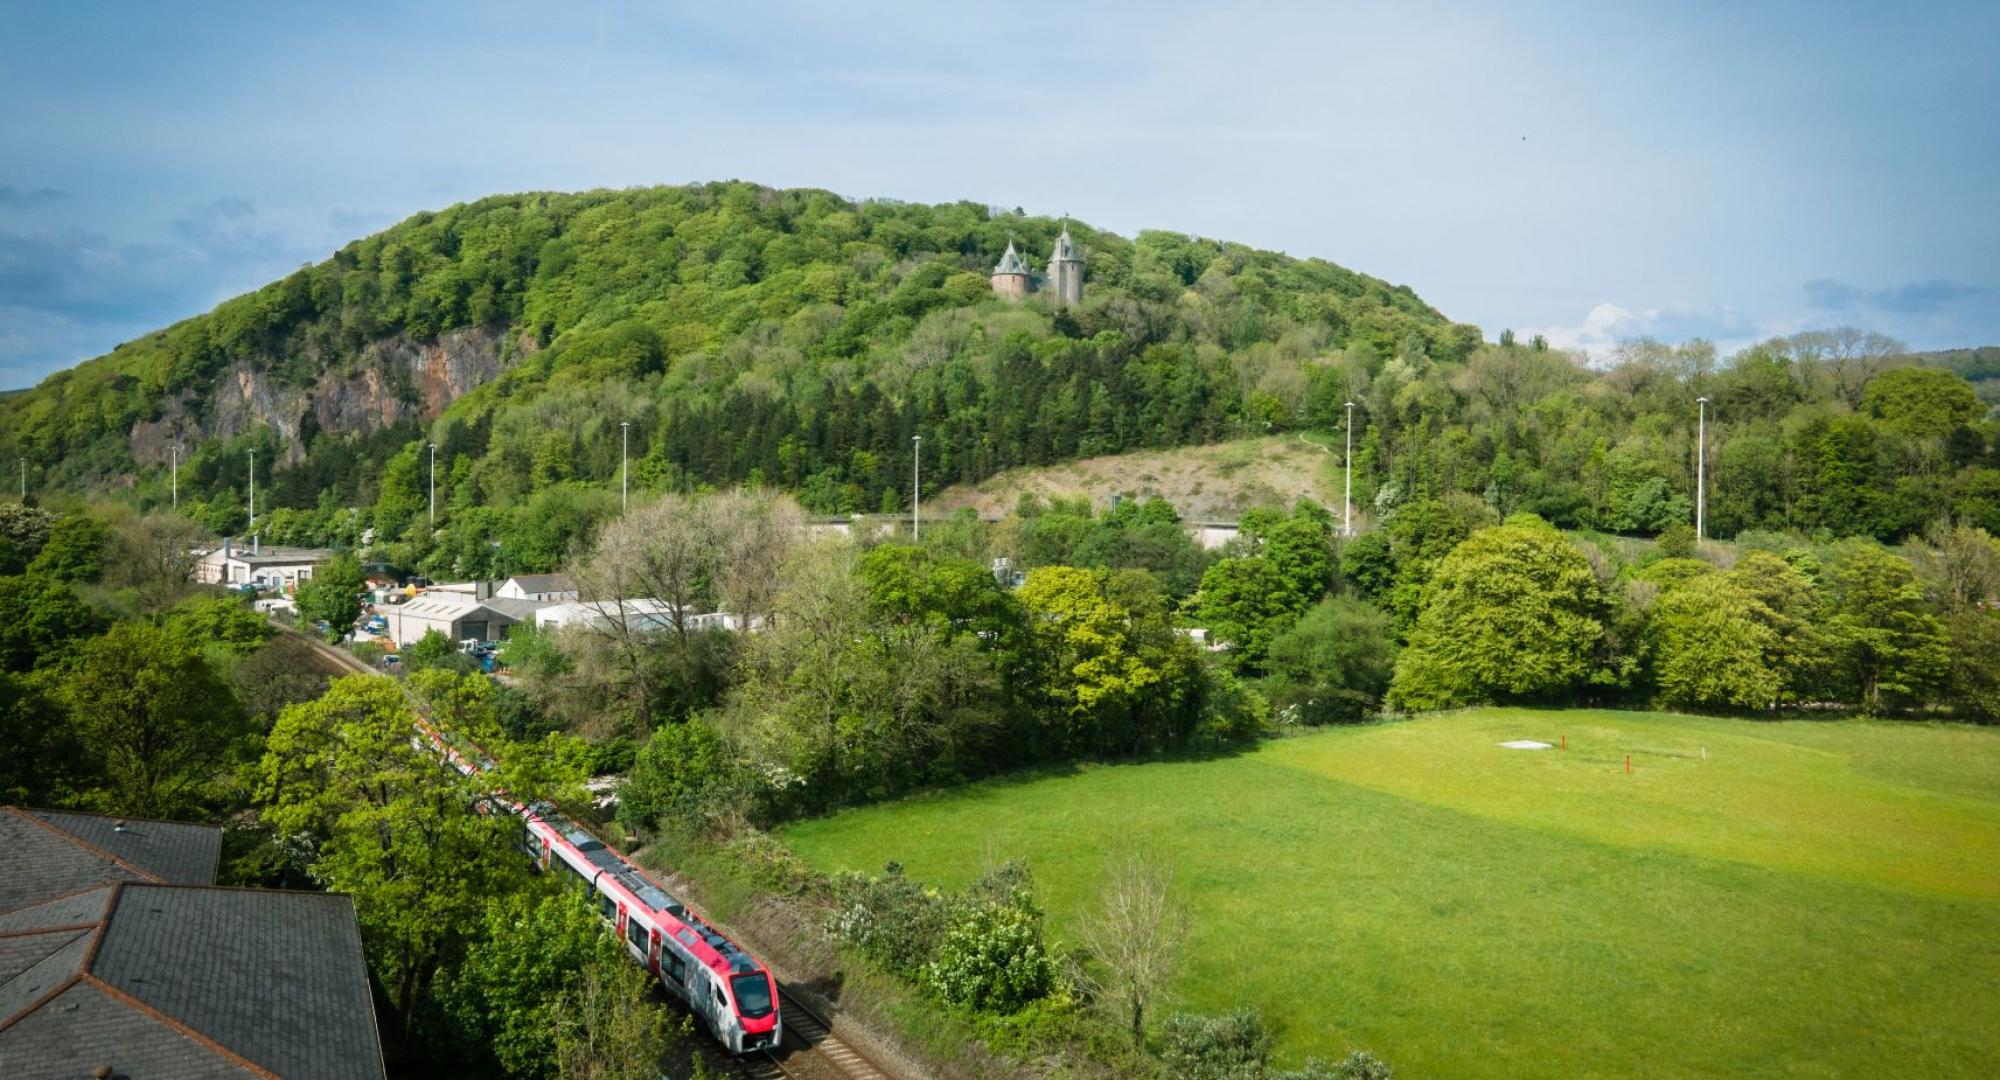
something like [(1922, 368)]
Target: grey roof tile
[(86, 1027), (19, 952), (43, 863), (277, 977), (74, 909), (169, 850), (42, 977)]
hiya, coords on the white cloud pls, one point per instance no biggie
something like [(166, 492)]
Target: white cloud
[(1607, 324)]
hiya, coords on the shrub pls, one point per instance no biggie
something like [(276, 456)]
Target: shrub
[(896, 922), (993, 959), (684, 771), (1358, 1065), (1677, 541), (1234, 1046), (1335, 662)]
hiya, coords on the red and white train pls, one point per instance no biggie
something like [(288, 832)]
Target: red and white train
[(734, 994)]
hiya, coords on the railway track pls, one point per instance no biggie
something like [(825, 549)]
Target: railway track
[(810, 1051)]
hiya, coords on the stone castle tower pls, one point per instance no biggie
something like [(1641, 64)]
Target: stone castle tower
[(1010, 278), (1013, 281), (1065, 277)]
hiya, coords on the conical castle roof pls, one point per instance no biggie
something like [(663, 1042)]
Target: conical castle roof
[(1011, 263)]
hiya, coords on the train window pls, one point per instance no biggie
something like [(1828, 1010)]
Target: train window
[(635, 932), (753, 995), (673, 966), (607, 906)]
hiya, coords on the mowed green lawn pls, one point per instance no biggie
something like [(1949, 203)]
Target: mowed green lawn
[(1754, 899)]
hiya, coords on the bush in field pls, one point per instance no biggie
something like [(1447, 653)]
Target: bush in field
[(1335, 662), (993, 959), (1359, 1065), (896, 922), (1234, 1046)]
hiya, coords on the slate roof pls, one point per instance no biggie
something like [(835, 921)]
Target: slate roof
[(112, 966), (1010, 261), (169, 850), (542, 582), (515, 608)]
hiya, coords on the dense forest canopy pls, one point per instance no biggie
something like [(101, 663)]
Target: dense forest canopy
[(740, 335)]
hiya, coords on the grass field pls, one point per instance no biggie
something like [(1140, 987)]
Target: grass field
[(1753, 899)]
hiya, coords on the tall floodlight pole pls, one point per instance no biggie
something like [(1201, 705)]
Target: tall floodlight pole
[(253, 491), (624, 466), (916, 486), (1347, 494), (434, 485), (176, 474), (1700, 467)]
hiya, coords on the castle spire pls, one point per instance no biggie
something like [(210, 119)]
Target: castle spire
[(1065, 276)]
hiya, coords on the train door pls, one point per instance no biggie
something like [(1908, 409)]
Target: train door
[(618, 926), (653, 952), (545, 853)]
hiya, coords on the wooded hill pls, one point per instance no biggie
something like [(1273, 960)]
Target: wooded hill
[(798, 340)]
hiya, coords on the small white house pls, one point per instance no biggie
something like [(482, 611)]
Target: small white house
[(271, 568), (548, 588)]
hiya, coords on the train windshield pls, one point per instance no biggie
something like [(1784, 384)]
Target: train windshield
[(753, 995)]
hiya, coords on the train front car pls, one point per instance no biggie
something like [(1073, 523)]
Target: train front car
[(754, 1009)]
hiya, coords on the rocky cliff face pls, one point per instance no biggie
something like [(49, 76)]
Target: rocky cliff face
[(393, 380)]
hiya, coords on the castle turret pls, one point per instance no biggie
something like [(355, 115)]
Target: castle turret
[(1065, 278), (1010, 278)]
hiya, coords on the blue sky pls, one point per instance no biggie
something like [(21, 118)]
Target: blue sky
[(1590, 171)]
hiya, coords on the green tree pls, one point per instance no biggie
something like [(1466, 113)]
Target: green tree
[(1889, 645), (44, 618), (1247, 603), (610, 1025), (1926, 402), (1973, 688), (678, 770), (1513, 613), (391, 824), (1118, 676), (42, 763), (1713, 646), (75, 549), (154, 716), (504, 998), (333, 596), (224, 621), (1335, 662), (1791, 606)]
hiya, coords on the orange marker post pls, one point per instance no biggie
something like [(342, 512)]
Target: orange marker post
[(1628, 764)]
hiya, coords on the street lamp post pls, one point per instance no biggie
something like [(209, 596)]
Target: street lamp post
[(916, 486), (253, 491), (434, 486), (176, 476), (1701, 468), (1347, 493), (624, 466)]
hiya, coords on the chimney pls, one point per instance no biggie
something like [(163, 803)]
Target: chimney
[(482, 590), (228, 548), (256, 543)]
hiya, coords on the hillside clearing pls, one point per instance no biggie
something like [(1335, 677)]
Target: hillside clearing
[(1218, 481), (1753, 899)]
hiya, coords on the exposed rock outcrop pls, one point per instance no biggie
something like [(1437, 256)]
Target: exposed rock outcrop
[(392, 380)]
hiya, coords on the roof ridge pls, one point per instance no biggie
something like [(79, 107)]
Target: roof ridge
[(258, 889), (35, 1005), (64, 928), (56, 897), (97, 814), (104, 920), (93, 848), (206, 1041)]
